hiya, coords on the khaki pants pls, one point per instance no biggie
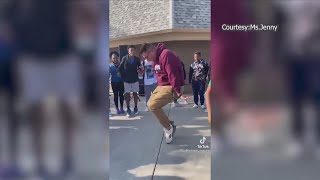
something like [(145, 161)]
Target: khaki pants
[(160, 97)]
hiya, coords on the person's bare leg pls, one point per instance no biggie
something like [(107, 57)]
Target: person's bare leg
[(135, 98), (13, 129), (37, 120), (127, 98), (69, 112), (208, 103), (12, 169)]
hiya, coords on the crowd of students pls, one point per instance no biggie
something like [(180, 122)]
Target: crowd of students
[(164, 80), (126, 73)]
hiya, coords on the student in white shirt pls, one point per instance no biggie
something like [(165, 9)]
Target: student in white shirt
[(150, 81)]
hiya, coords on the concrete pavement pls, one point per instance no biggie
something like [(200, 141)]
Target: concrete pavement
[(90, 146), (261, 140), (138, 150)]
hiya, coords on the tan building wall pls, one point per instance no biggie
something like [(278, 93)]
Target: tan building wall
[(133, 17), (192, 14), (183, 25), (163, 36), (130, 17), (185, 50)]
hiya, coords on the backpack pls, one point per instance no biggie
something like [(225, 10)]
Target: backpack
[(184, 71), (209, 71)]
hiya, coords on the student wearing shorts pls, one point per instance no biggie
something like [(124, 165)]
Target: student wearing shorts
[(129, 69)]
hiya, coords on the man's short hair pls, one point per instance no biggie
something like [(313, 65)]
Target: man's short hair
[(197, 52), (114, 52), (131, 46), (145, 47)]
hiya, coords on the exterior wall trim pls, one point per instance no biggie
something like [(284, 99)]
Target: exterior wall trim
[(163, 36)]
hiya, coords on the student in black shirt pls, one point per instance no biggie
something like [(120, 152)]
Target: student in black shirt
[(47, 66), (130, 68)]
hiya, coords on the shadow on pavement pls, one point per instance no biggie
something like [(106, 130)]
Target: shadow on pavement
[(192, 127), (136, 145), (245, 167)]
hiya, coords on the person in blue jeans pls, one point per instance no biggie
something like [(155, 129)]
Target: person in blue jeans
[(116, 82), (197, 78)]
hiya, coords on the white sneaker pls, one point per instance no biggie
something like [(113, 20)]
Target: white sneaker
[(175, 105), (169, 134), (317, 153), (294, 150), (147, 109), (195, 106), (203, 106)]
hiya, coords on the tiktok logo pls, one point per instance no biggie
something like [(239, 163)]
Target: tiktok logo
[(203, 140), (203, 144)]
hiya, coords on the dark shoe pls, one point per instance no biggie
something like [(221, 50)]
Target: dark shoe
[(44, 173), (118, 111), (122, 111), (128, 112), (12, 172), (136, 111), (174, 127), (67, 168)]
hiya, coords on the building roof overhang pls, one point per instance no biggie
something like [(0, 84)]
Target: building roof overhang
[(163, 36)]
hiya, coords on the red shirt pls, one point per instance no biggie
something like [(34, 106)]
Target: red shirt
[(229, 50), (168, 69)]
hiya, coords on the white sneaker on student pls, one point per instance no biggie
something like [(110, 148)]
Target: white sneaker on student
[(195, 106), (317, 152), (203, 106), (175, 104), (169, 134), (294, 150)]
